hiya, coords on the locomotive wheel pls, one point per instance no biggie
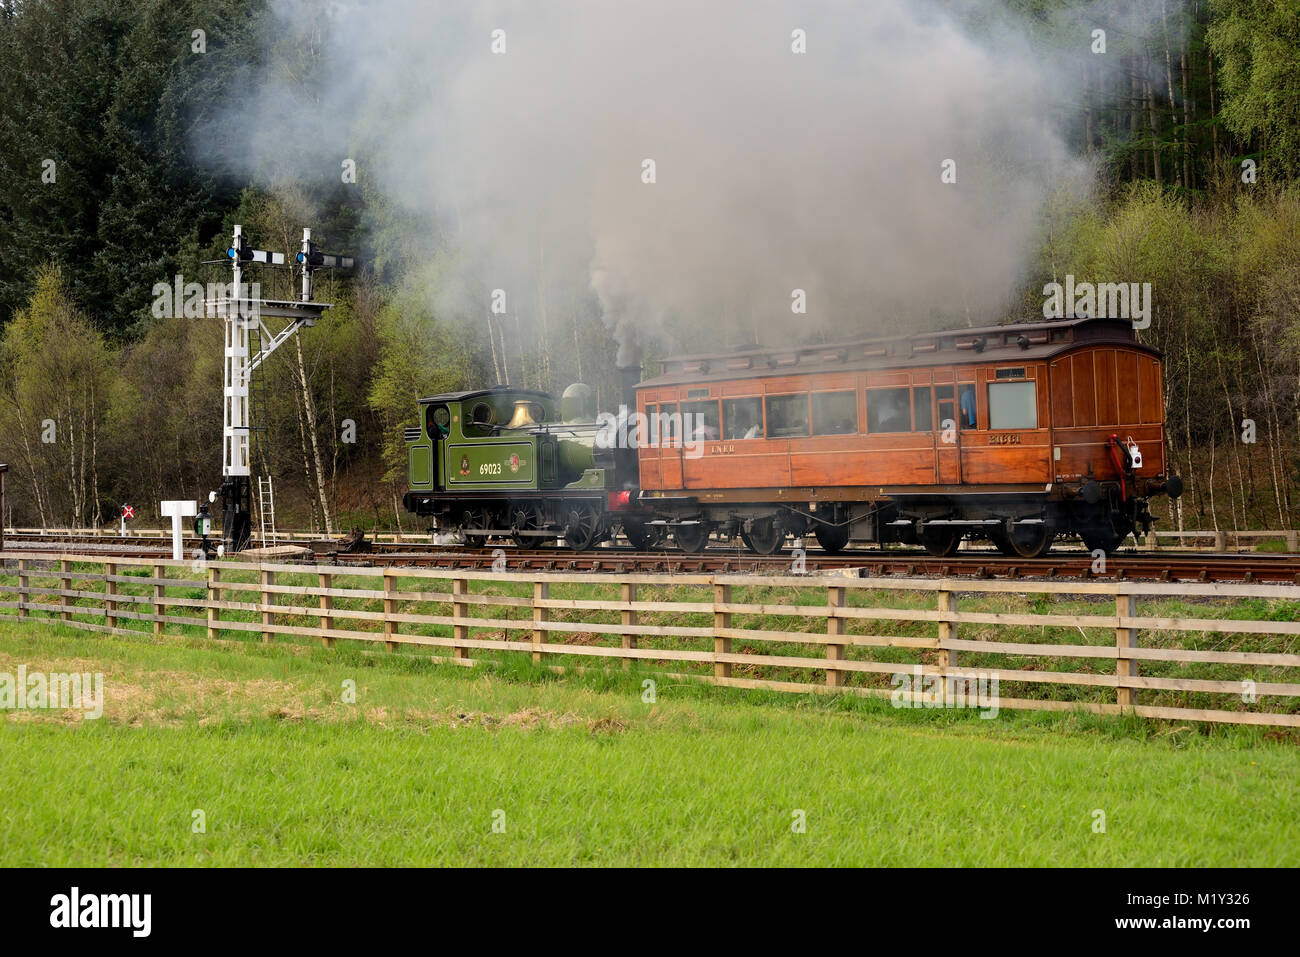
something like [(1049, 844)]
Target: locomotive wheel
[(831, 538), (691, 538), (765, 536), (474, 518), (526, 516), (581, 527), (1024, 541), (940, 540), (642, 537)]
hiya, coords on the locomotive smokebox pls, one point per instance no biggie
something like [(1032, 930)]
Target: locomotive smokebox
[(629, 376)]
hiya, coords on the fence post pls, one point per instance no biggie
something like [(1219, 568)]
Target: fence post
[(159, 591), (65, 586), (326, 603), (214, 597), (23, 611), (629, 617), (946, 602), (268, 617), (835, 627), (110, 589), (721, 619), (459, 611), (541, 591), (1125, 607), (1220, 541), (390, 626), (1292, 541)]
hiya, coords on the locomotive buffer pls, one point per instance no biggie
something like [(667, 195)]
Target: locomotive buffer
[(243, 311)]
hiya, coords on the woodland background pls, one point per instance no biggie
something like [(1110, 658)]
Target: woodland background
[(110, 92)]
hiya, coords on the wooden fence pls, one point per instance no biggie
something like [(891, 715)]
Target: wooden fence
[(1054, 645)]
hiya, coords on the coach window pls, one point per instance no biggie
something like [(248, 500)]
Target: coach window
[(1013, 405), (944, 399), (700, 420), (666, 428), (922, 417), (834, 413), (650, 437), (889, 410), (787, 415), (742, 418), (966, 406)]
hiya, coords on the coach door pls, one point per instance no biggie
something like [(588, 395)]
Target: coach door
[(947, 436)]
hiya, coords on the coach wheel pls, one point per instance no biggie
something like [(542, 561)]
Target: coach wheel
[(581, 527), (691, 538), (473, 518), (831, 538), (940, 540), (1103, 539), (525, 517), (1025, 541), (642, 537), (765, 536)]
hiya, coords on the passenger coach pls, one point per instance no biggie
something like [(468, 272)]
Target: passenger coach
[(1017, 433)]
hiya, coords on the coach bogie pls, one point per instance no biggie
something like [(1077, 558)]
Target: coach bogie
[(691, 535)]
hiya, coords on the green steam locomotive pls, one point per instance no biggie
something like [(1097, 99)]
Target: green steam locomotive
[(515, 464)]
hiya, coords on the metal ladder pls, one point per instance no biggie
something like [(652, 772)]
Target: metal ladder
[(266, 509)]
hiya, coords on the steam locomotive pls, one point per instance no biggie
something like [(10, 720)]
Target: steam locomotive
[(1017, 434)]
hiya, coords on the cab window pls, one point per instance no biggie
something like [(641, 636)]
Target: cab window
[(438, 421)]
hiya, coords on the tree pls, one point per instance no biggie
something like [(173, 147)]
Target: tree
[(58, 379)]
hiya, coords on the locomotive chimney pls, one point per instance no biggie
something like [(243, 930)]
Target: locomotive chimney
[(629, 376)]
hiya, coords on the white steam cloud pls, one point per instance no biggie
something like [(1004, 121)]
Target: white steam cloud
[(775, 170)]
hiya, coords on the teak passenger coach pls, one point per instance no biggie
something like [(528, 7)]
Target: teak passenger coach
[(1015, 433)]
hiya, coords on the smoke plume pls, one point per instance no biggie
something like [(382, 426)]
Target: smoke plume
[(795, 146)]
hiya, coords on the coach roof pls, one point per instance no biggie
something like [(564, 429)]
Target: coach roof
[(1011, 342)]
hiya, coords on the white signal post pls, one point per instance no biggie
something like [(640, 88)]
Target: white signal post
[(128, 511), (242, 311)]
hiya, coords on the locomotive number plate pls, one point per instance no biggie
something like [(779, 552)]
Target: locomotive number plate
[(1004, 439)]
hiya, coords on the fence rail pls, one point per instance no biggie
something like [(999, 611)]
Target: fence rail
[(788, 633)]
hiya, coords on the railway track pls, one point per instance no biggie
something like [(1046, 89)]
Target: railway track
[(975, 563)]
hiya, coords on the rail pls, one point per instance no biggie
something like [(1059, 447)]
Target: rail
[(1207, 539), (785, 633)]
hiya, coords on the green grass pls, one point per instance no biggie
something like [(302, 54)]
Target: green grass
[(586, 772)]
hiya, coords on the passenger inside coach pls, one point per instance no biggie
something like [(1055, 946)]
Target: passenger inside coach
[(967, 406)]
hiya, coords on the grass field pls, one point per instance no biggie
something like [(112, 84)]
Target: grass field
[(582, 770)]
